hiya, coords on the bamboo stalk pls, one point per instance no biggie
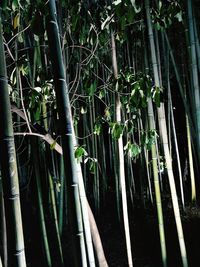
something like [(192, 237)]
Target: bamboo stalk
[(121, 159), (192, 177), (55, 217), (65, 119), (94, 230), (176, 147), (61, 199), (164, 139), (157, 187), (194, 70), (1, 262), (16, 253), (40, 204), (3, 231)]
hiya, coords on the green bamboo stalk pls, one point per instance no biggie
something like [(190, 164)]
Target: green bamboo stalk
[(3, 229), (101, 145), (55, 217), (90, 228), (87, 230), (146, 159), (65, 119), (61, 199), (176, 146), (150, 193), (164, 139), (96, 240), (189, 124), (114, 157), (197, 43), (157, 187), (120, 151), (181, 89), (192, 177), (95, 153), (194, 69), (16, 253), (40, 204)]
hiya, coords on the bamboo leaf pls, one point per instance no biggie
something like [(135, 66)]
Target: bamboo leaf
[(116, 130), (15, 4), (79, 153), (16, 21)]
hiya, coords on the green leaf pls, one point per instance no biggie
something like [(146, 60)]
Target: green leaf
[(79, 153), (98, 128), (149, 138), (91, 90), (117, 130), (133, 150), (15, 4), (156, 96), (92, 166), (179, 16), (129, 126), (37, 112), (102, 93), (107, 115)]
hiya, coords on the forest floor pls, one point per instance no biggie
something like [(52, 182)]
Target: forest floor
[(145, 238)]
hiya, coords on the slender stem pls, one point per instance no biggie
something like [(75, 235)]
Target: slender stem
[(120, 151), (164, 140), (16, 253), (66, 125)]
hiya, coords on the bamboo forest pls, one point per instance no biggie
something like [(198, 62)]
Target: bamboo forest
[(99, 133)]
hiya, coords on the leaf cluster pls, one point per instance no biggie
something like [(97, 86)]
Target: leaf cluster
[(165, 13)]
